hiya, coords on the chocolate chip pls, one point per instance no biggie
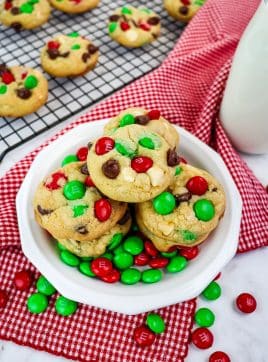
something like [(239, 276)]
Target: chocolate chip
[(85, 57), (15, 10), (142, 120), (184, 10), (84, 169), (43, 211), (64, 55), (173, 158), (16, 26), (114, 18), (81, 230), (89, 145), (23, 93), (183, 197), (111, 168), (53, 53), (125, 218), (3, 69), (214, 189), (92, 49), (153, 21), (134, 23)]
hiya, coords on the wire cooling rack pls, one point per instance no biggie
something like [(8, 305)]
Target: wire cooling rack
[(117, 66)]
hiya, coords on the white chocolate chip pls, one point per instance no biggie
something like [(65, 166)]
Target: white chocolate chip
[(156, 175), (165, 228), (132, 35), (128, 174)]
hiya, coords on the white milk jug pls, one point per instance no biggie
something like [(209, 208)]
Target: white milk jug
[(244, 109)]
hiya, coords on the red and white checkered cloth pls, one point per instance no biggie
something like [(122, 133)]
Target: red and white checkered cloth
[(187, 89)]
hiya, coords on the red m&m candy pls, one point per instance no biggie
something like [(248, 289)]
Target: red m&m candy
[(112, 277), (145, 26), (186, 2), (202, 338), (150, 248), (141, 164), (219, 357), (124, 26), (23, 280), (53, 44), (7, 77), (144, 336), (154, 114), (82, 153), (3, 299), (89, 182), (104, 145), (158, 262), (101, 267), (246, 303), (103, 209), (141, 259), (8, 5), (55, 181), (197, 185), (190, 253)]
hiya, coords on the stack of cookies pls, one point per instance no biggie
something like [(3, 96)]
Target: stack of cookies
[(84, 205)]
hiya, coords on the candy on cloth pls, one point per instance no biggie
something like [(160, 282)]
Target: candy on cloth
[(143, 336), (3, 298), (65, 307), (155, 323), (44, 286), (23, 280), (37, 303), (246, 303)]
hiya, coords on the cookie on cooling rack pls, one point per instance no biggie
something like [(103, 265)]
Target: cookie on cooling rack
[(22, 90), (183, 10), (69, 55), (23, 14), (74, 6), (134, 27)]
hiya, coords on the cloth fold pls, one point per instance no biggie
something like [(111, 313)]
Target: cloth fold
[(187, 89)]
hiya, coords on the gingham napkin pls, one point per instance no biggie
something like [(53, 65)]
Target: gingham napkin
[(187, 89)]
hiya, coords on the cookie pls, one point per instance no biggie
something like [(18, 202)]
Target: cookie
[(23, 14), (69, 55), (68, 205), (22, 90), (187, 212), (74, 6), (152, 120), (134, 27), (183, 10), (98, 246), (131, 164)]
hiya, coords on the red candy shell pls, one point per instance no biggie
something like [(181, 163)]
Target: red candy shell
[(112, 277), (141, 164), (54, 179), (141, 259), (186, 2), (3, 299), (219, 357), (246, 303), (53, 44), (150, 248), (190, 253), (124, 26), (101, 267), (145, 26), (183, 160), (8, 5), (103, 209), (7, 77), (154, 114), (217, 276), (202, 338), (104, 145), (89, 182), (144, 336), (82, 153), (23, 280), (197, 185), (158, 263)]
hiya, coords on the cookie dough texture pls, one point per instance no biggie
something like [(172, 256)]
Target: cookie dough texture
[(15, 99), (57, 213), (129, 185), (160, 126), (183, 10), (134, 27), (69, 55), (181, 227), (74, 6), (24, 14)]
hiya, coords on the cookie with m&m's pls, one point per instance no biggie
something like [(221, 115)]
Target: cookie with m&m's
[(131, 164), (69, 55), (134, 27), (68, 205), (22, 90), (74, 6), (151, 120), (24, 14), (186, 212), (183, 10)]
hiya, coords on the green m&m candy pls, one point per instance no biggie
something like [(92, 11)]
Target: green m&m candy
[(74, 190), (176, 264), (74, 34), (37, 303), (123, 260), (112, 27), (133, 245), (31, 81), (60, 246), (65, 307), (147, 142), (177, 170), (79, 210), (130, 276), (118, 250), (124, 149), (204, 317), (150, 276), (69, 258), (126, 120), (86, 258), (169, 254), (26, 8), (212, 291), (164, 203), (108, 256), (204, 210), (155, 323), (115, 241), (3, 89), (126, 10), (85, 268), (44, 286), (69, 159), (75, 47)]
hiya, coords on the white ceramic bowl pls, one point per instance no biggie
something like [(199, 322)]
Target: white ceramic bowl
[(215, 253)]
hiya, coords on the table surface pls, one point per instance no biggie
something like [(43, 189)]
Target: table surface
[(243, 337)]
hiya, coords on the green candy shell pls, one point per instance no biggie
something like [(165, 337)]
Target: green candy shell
[(133, 245), (3, 89), (115, 241), (79, 210), (155, 323), (44, 286), (60, 246), (112, 27), (65, 307), (75, 47), (37, 303), (126, 10), (26, 8), (118, 250), (204, 317), (124, 150), (204, 210), (130, 276), (176, 264), (86, 258), (164, 203), (69, 159), (123, 260), (69, 258), (169, 255), (212, 291), (31, 81), (74, 190), (147, 142), (74, 34), (150, 276), (178, 170), (126, 120), (85, 268), (108, 256)]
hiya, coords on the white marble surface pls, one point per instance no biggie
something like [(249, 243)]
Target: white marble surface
[(243, 337)]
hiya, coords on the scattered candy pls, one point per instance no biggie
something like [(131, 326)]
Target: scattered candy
[(118, 250), (44, 286), (103, 209), (101, 266), (150, 248), (176, 264), (197, 185), (3, 298), (155, 323), (85, 268), (141, 164), (30, 82), (69, 258), (82, 153), (141, 259), (143, 336), (133, 245), (158, 262), (150, 276), (204, 317), (65, 307), (126, 120), (69, 159), (113, 277), (204, 210), (130, 276), (219, 356), (189, 253), (104, 145), (212, 291), (74, 190), (123, 260), (202, 338), (37, 303), (246, 303), (164, 203), (154, 114), (23, 280)]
